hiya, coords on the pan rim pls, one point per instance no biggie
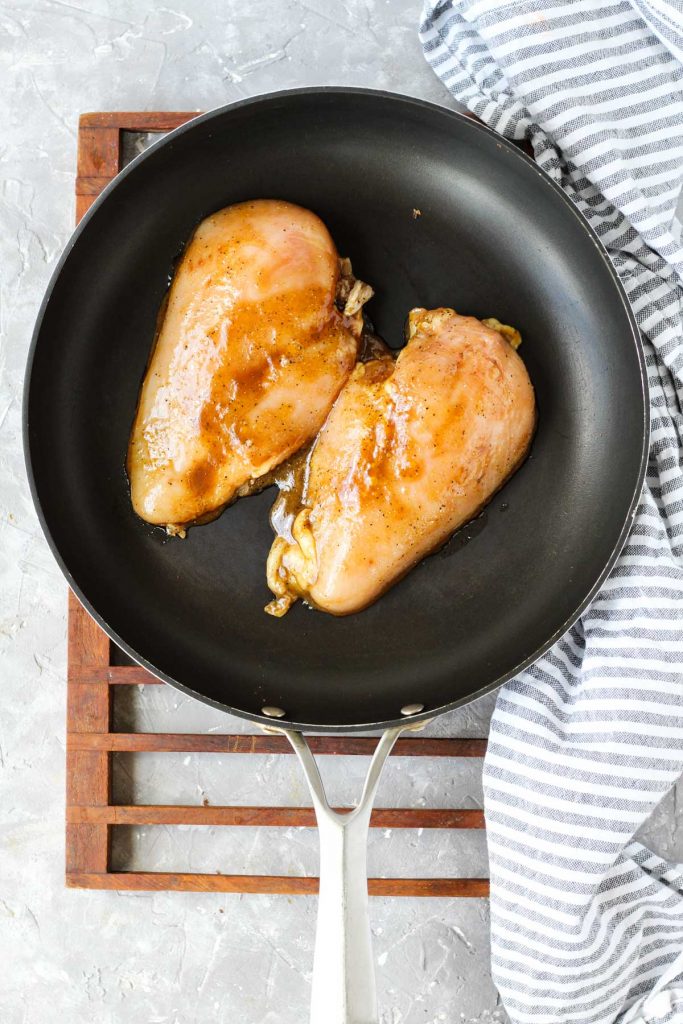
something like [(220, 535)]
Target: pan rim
[(547, 181)]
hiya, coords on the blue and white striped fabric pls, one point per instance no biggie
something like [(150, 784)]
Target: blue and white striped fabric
[(587, 924)]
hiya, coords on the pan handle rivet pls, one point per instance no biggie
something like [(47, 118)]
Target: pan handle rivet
[(273, 712), (412, 709)]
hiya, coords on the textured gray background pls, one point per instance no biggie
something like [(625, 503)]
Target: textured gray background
[(100, 958)]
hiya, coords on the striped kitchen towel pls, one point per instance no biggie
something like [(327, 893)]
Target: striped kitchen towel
[(587, 924)]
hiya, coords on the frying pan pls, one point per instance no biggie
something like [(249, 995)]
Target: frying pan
[(494, 237)]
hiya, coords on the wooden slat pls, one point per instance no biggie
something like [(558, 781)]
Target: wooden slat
[(119, 675), (87, 848), (136, 120), (88, 781), (88, 645), (87, 710), (83, 204), (98, 153), (91, 186), (214, 743), (274, 884), (297, 817), (88, 772)]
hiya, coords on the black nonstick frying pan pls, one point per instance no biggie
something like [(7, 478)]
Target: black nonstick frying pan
[(496, 237)]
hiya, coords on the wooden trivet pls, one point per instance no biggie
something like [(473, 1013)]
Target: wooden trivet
[(93, 679)]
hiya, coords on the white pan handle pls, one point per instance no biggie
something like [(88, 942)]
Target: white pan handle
[(343, 969)]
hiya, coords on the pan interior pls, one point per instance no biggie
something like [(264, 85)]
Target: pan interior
[(494, 239)]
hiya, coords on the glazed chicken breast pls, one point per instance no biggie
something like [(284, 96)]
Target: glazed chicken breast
[(412, 449), (260, 332)]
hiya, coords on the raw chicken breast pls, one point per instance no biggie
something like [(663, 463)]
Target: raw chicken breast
[(411, 450), (251, 353)]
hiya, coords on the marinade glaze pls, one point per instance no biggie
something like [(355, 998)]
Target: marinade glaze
[(260, 331), (412, 449)]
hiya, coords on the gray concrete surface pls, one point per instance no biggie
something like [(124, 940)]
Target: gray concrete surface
[(169, 958)]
